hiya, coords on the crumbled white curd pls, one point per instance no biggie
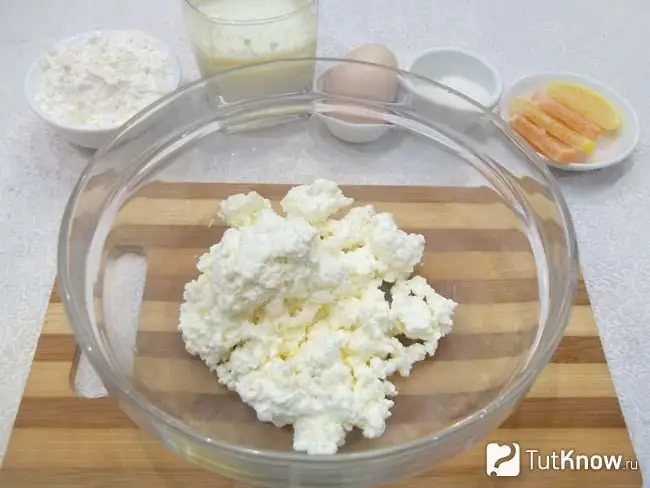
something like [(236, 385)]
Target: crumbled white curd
[(289, 313)]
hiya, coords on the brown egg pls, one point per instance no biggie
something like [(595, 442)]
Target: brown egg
[(364, 82)]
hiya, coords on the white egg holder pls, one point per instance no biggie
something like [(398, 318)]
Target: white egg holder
[(351, 132)]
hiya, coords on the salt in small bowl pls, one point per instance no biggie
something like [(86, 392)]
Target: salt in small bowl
[(466, 72)]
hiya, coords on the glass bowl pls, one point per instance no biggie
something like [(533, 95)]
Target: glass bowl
[(499, 241)]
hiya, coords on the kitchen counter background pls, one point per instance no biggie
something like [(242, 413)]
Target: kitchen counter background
[(610, 207)]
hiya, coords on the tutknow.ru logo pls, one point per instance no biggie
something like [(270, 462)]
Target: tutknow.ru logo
[(505, 459)]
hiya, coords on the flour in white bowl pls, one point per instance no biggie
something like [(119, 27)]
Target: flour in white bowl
[(101, 79)]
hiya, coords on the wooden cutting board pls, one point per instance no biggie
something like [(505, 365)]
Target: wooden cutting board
[(60, 440)]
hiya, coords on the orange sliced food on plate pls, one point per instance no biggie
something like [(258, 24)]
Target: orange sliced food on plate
[(570, 118), (549, 146), (587, 102), (526, 108)]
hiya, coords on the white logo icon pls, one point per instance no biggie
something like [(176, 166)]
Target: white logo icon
[(502, 459)]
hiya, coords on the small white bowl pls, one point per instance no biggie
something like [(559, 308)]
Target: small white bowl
[(441, 65), (351, 132), (354, 133), (609, 150), (83, 136)]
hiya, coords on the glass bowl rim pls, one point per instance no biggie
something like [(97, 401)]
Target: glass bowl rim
[(114, 383)]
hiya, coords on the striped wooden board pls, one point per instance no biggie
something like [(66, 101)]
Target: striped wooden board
[(476, 253)]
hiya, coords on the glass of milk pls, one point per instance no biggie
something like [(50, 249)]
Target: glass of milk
[(229, 33)]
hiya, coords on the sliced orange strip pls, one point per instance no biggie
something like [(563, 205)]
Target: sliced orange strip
[(531, 111), (545, 144), (569, 117), (587, 102)]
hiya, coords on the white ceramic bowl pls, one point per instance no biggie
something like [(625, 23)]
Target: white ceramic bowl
[(83, 136), (351, 132), (441, 63), (609, 150), (354, 133)]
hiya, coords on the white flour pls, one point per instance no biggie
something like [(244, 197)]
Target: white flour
[(102, 79)]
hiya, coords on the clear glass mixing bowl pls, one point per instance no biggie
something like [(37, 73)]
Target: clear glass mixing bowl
[(498, 235)]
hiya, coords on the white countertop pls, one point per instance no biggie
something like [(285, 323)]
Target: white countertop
[(610, 207)]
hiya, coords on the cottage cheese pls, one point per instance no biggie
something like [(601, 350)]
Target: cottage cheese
[(288, 311)]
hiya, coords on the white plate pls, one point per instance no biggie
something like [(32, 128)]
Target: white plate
[(609, 150)]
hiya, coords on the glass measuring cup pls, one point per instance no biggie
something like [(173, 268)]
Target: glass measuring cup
[(229, 33)]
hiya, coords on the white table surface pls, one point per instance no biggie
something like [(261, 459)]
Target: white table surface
[(610, 207)]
